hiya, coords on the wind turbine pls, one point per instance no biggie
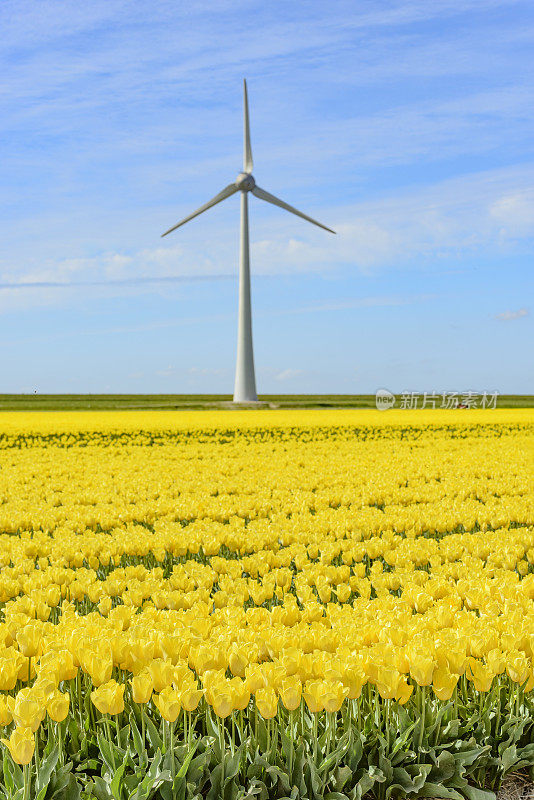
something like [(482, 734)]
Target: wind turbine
[(245, 380)]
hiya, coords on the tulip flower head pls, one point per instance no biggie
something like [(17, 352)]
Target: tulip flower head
[(21, 745)]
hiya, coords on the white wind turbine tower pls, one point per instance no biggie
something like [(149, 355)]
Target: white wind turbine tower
[(245, 380)]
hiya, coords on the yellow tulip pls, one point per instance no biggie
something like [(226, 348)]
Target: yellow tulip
[(162, 673), (343, 592), (222, 699), (333, 695), (240, 694), (421, 668), (325, 593), (58, 706), (140, 654), (29, 709), (58, 663), (291, 692), (52, 596), (456, 660), (481, 675), (444, 683), (313, 695), (496, 661), (387, 681), (104, 606), (168, 703), (403, 690), (142, 687), (26, 669), (46, 684), (21, 745), (99, 667), (190, 697), (517, 667), (29, 638), (266, 702), (9, 670), (354, 679), (255, 677), (6, 715), (109, 698), (237, 660)]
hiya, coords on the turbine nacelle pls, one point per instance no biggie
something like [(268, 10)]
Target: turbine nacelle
[(245, 182)]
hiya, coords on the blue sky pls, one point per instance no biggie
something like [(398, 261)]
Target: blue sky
[(406, 125)]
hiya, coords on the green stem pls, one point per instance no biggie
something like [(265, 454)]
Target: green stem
[(171, 725), (79, 697), (422, 720), (108, 734), (498, 716), (60, 742), (240, 724), (291, 746), (27, 781), (223, 749), (143, 724), (232, 742), (37, 760)]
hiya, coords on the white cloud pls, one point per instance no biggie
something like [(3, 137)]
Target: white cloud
[(288, 374), (206, 371), (166, 373), (57, 87), (145, 161), (461, 216), (196, 372), (515, 213), (471, 215), (346, 304), (508, 316)]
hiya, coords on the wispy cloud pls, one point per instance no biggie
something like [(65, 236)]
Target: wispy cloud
[(485, 212), (112, 283), (288, 374), (472, 214), (508, 316), (346, 304), (184, 321), (514, 213), (206, 371), (407, 127)]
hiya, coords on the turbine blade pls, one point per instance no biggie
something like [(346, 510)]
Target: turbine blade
[(229, 190), (270, 198), (248, 163)]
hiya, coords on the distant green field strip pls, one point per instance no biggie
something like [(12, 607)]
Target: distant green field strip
[(86, 402)]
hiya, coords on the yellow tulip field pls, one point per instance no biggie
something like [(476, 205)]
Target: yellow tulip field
[(266, 604)]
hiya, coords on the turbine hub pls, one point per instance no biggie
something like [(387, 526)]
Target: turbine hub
[(245, 182)]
